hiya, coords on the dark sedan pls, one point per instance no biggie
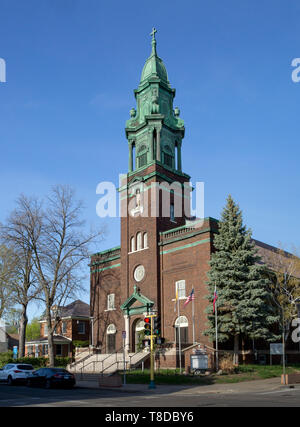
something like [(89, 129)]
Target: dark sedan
[(51, 377)]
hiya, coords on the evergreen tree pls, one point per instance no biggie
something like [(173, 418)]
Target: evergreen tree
[(244, 309)]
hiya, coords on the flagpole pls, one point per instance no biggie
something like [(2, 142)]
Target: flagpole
[(216, 324), (179, 337), (193, 317)]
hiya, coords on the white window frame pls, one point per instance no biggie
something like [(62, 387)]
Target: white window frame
[(46, 330), (64, 327), (180, 286), (145, 240), (139, 241), (111, 302), (132, 244)]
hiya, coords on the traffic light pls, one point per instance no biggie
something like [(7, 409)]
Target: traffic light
[(157, 326), (147, 326)]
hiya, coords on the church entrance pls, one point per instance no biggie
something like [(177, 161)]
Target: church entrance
[(182, 327), (181, 336), (111, 338)]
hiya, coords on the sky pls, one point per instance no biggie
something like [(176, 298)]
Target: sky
[(72, 66)]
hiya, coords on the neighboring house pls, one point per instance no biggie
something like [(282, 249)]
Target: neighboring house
[(3, 337), (7, 340), (73, 325)]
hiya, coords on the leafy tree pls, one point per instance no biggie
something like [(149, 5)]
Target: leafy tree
[(33, 329), (244, 308)]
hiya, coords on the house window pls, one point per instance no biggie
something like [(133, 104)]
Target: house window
[(180, 288), (46, 330), (111, 302), (81, 328), (64, 328)]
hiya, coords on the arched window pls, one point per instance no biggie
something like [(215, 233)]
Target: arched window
[(181, 330), (132, 244), (111, 329), (139, 241), (181, 322), (145, 243)]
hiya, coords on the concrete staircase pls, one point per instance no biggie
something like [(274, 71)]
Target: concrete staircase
[(107, 363)]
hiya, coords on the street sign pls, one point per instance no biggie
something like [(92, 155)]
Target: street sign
[(123, 335), (15, 352), (276, 348)]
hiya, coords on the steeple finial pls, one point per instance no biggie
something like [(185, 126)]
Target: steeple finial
[(154, 31)]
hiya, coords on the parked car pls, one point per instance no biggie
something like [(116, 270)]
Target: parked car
[(51, 377), (15, 372)]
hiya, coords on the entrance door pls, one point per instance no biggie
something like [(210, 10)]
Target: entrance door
[(183, 335), (111, 338), (111, 343)]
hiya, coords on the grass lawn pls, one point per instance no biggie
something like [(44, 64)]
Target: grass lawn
[(244, 373)]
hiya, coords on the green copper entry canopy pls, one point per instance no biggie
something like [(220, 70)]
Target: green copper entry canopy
[(154, 66)]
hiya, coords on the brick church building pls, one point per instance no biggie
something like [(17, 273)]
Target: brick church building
[(162, 252)]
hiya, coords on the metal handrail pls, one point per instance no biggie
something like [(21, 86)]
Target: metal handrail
[(131, 356), (82, 359), (116, 362), (97, 361)]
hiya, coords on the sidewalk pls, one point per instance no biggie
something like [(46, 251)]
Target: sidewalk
[(242, 387)]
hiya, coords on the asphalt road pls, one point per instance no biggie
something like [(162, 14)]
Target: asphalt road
[(20, 396)]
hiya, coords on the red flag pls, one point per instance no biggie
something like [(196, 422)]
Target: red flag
[(215, 299)]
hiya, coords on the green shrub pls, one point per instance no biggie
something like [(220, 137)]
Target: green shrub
[(80, 344), (36, 362), (62, 362), (6, 358)]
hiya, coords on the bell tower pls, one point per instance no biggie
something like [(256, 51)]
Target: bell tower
[(154, 130), (153, 193)]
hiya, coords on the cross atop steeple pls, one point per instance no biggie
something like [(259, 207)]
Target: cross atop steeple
[(154, 30)]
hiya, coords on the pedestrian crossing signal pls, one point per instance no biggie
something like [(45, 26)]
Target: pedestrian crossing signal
[(157, 326)]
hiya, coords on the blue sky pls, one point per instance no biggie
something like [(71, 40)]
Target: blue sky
[(72, 66)]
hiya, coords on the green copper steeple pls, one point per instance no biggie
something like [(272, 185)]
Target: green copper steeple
[(154, 128)]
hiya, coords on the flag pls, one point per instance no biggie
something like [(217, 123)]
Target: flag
[(191, 297), (215, 298), (176, 299)]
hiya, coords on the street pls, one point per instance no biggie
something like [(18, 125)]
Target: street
[(18, 396)]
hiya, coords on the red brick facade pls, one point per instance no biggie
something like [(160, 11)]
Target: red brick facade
[(70, 328)]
